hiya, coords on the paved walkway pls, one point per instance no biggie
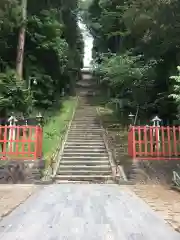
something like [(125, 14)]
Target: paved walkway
[(79, 211), (13, 195)]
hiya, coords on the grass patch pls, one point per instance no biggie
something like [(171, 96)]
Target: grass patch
[(55, 128)]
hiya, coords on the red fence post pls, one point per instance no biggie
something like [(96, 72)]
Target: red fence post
[(139, 140), (4, 151), (163, 141), (38, 144), (130, 142), (133, 143), (26, 145), (169, 140), (145, 140), (174, 141), (151, 143)]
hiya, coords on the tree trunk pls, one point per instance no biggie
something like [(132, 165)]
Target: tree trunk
[(21, 41)]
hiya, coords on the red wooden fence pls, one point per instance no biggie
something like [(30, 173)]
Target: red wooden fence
[(150, 143), (20, 142)]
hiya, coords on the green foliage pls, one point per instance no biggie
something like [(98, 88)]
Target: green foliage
[(13, 94), (56, 127), (53, 52), (47, 56), (176, 89), (126, 75), (149, 29)]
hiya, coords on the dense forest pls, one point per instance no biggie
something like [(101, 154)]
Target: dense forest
[(52, 56), (136, 52)]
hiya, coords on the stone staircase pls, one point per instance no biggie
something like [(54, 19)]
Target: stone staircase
[(85, 157)]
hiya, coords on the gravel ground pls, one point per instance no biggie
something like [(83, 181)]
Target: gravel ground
[(85, 211), (151, 179), (161, 199), (12, 196)]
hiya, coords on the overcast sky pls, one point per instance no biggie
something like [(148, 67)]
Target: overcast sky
[(88, 40)]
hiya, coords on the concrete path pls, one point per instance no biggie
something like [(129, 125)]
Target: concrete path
[(79, 212)]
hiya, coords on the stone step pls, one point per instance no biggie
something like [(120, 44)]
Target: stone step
[(85, 132), (85, 129), (81, 118), (85, 167), (84, 172), (84, 162), (82, 122), (85, 123), (85, 141), (86, 102), (85, 135), (84, 116), (84, 147), (84, 144), (81, 138), (85, 119), (84, 158), (85, 126), (87, 107), (84, 154), (92, 178), (81, 131), (87, 112), (84, 182), (85, 150), (82, 113)]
